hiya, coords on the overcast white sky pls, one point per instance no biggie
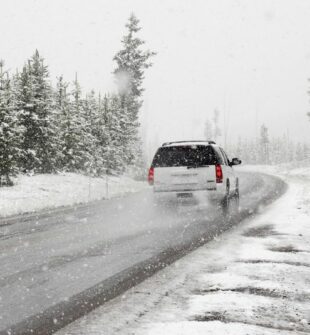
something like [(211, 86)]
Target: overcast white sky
[(248, 59)]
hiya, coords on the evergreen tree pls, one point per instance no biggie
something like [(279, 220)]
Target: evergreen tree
[(107, 154), (291, 152), (27, 119), (115, 120), (101, 135), (239, 152), (276, 151), (65, 136), (264, 145), (131, 63), (9, 130), (306, 151), (91, 148), (299, 154), (216, 128), (208, 131), (77, 154), (309, 96), (36, 115)]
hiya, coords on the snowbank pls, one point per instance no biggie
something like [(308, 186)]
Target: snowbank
[(281, 170), (34, 193)]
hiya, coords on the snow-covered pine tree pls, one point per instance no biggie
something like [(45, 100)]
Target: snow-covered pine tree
[(115, 120), (108, 154), (246, 153), (65, 136), (291, 151), (36, 115), (299, 154), (239, 148), (276, 151), (264, 145), (216, 128), (93, 159), (9, 130), (255, 155), (284, 149), (101, 137), (208, 130), (309, 96), (76, 154), (131, 63), (27, 119), (306, 151)]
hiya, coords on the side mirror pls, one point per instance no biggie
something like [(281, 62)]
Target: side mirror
[(235, 161)]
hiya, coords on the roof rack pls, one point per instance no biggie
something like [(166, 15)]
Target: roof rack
[(174, 142)]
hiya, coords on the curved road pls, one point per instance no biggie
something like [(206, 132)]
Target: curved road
[(57, 267)]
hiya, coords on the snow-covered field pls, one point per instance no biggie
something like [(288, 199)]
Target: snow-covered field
[(38, 192), (253, 279)]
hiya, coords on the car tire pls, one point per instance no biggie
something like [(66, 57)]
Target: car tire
[(230, 203), (236, 197), (226, 202), (236, 200)]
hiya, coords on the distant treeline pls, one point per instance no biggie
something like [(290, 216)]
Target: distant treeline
[(264, 150), (260, 150), (45, 129)]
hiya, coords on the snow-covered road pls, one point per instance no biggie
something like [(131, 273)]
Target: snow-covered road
[(251, 280), (51, 266)]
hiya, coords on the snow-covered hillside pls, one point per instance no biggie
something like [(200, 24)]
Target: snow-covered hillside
[(38, 192)]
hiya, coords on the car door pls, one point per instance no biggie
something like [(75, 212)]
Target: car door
[(230, 171)]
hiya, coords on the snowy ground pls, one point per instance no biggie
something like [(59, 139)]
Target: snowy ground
[(254, 279), (35, 193)]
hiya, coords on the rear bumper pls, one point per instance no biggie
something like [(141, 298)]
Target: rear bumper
[(213, 192), (185, 187), (182, 190)]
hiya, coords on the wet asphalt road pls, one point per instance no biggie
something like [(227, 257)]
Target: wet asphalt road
[(59, 266)]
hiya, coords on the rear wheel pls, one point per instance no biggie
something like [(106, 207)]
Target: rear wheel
[(235, 201), (236, 197), (230, 203), (226, 202)]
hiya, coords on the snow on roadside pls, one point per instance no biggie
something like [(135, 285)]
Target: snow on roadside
[(45, 191), (301, 168), (252, 280)]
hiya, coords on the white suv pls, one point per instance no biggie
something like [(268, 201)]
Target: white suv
[(190, 166)]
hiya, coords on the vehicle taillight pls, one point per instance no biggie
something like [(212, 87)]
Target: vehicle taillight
[(151, 176), (218, 173)]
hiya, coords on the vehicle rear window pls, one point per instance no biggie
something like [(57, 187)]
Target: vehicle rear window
[(195, 155)]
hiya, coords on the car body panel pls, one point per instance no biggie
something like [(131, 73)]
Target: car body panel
[(184, 179)]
